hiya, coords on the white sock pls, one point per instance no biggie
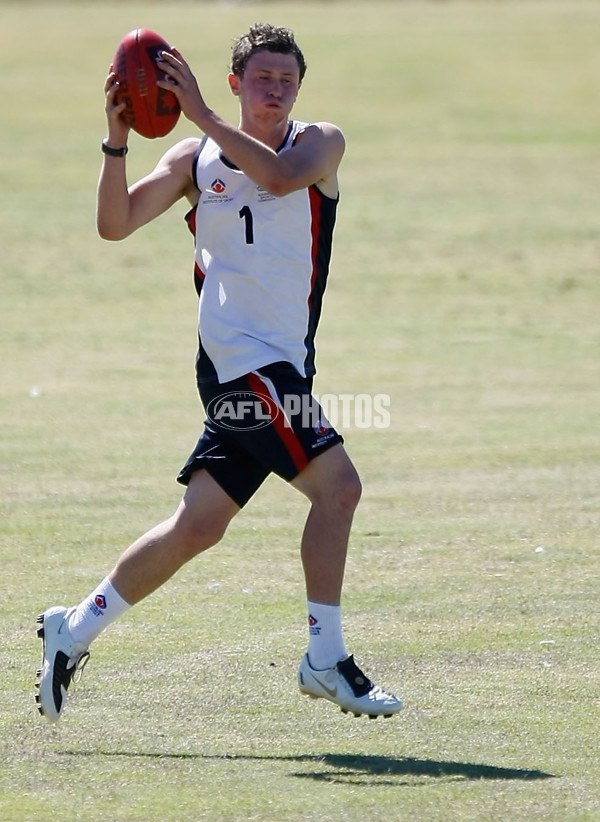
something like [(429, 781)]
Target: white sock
[(325, 641), (95, 612)]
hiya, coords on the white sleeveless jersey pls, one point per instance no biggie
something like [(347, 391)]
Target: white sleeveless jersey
[(261, 266)]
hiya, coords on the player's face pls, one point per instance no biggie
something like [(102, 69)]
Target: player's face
[(270, 84)]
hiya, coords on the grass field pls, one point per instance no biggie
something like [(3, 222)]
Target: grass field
[(465, 285)]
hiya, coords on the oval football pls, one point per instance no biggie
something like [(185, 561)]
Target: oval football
[(149, 110)]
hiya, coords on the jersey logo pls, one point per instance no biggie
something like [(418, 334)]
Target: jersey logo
[(218, 186), (263, 195)]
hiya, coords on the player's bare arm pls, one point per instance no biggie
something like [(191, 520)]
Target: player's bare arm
[(121, 209), (267, 93), (317, 152)]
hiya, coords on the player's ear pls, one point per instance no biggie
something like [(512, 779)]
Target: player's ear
[(234, 83)]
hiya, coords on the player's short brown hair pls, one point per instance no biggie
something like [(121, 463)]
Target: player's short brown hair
[(265, 37)]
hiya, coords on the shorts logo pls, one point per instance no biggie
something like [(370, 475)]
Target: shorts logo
[(100, 601), (242, 411), (321, 429), (218, 186)]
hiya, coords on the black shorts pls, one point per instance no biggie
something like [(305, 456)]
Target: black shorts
[(263, 422)]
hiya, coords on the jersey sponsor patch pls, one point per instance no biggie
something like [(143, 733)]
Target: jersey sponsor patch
[(263, 195)]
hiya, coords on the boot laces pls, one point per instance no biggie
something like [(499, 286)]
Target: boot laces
[(79, 666)]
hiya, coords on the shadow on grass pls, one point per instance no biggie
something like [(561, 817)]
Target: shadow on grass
[(358, 769), (352, 768)]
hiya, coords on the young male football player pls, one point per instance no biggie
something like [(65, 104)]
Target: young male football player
[(262, 200)]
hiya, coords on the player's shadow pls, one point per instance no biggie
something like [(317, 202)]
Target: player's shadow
[(387, 770), (357, 769)]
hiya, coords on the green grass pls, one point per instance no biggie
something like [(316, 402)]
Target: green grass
[(464, 285)]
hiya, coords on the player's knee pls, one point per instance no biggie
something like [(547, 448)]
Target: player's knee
[(198, 534), (332, 484), (343, 494), (350, 491)]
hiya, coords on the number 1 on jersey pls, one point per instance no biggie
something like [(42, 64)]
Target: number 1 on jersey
[(246, 216)]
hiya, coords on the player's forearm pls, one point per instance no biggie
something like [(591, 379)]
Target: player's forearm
[(112, 200), (263, 165)]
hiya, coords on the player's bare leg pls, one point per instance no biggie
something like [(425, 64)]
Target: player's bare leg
[(199, 523), (332, 485)]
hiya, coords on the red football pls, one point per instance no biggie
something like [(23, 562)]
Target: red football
[(150, 110)]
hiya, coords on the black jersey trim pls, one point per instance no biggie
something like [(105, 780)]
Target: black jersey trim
[(197, 154), (287, 137), (323, 215)]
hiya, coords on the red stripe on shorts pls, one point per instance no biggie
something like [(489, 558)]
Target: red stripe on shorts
[(286, 434)]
